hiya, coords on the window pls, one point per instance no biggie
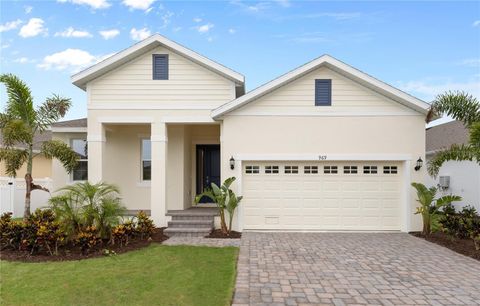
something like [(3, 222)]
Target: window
[(390, 170), (323, 92), (252, 169), (310, 169), (160, 66), (80, 173), (330, 169), (146, 160), (350, 169), (370, 169), (271, 169), (291, 169)]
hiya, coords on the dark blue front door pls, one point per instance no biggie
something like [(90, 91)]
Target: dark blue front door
[(208, 168)]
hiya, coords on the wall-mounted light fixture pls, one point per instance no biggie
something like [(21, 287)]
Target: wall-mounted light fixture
[(419, 164), (232, 163)]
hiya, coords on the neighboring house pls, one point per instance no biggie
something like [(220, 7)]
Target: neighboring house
[(42, 167), (463, 177), (323, 147)]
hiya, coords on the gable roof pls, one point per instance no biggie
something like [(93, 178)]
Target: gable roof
[(335, 65), (441, 137), (82, 78), (38, 140)]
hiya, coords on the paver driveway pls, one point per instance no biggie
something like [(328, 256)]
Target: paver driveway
[(352, 268)]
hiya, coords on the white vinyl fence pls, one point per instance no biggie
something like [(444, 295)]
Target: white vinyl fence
[(12, 195)]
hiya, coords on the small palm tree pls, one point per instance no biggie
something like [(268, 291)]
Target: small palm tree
[(20, 122), (85, 204), (465, 108), (430, 206)]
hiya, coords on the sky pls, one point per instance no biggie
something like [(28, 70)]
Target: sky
[(421, 47)]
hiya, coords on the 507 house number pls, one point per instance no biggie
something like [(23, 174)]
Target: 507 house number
[(322, 157)]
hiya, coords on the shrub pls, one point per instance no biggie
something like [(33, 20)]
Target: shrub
[(145, 227), (84, 205), (11, 232), (463, 224), (122, 233), (88, 239)]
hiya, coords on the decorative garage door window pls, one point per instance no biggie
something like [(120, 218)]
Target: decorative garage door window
[(330, 169), (271, 169), (390, 170), (291, 169), (350, 169), (370, 169), (252, 169), (310, 169)]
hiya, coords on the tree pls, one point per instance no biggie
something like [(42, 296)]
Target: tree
[(466, 109), (20, 122)]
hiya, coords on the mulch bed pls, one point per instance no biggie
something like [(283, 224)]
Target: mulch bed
[(218, 234), (74, 253), (462, 246)]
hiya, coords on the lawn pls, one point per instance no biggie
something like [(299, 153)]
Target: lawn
[(156, 275)]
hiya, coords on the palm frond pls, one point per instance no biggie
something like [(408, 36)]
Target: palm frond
[(13, 159), (16, 132), (62, 152), (52, 110), (459, 105), (457, 153), (474, 130), (20, 100)]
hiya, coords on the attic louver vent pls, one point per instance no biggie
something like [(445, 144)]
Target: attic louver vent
[(160, 66), (323, 92)]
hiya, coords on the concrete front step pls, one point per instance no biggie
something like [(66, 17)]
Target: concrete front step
[(192, 217), (191, 224), (187, 231)]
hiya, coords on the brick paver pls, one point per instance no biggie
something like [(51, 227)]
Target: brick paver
[(201, 241), (352, 269)]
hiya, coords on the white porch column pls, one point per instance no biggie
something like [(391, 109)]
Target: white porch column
[(158, 188), (96, 152)]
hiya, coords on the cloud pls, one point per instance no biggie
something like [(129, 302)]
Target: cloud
[(232, 31), (283, 3), (94, 4), (109, 34), (176, 29), (476, 23), (143, 5), (140, 34), (326, 37), (251, 8), (28, 9), (4, 46), (23, 60), (33, 28), (205, 28), (471, 62), (428, 89), (166, 19), (197, 19), (11, 25), (70, 59), (71, 32)]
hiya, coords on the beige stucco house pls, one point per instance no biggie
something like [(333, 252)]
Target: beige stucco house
[(322, 147)]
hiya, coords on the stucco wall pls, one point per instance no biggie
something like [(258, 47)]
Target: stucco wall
[(464, 181), (59, 174), (42, 167)]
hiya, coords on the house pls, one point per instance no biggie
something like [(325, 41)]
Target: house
[(322, 147), (459, 178), (42, 167)]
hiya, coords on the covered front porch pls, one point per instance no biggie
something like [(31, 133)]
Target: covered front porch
[(159, 167)]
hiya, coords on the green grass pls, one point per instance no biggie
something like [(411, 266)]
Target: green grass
[(156, 275)]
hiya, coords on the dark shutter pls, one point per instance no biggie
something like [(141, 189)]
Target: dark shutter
[(323, 92), (160, 66)]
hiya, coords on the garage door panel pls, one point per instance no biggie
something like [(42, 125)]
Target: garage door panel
[(324, 201)]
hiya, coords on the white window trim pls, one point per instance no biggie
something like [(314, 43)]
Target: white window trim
[(71, 180), (142, 182)]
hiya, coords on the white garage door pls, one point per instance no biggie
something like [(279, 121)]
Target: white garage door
[(321, 195)]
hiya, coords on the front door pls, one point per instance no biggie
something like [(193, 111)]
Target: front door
[(208, 168)]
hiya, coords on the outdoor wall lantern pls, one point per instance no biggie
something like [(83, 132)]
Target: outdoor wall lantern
[(232, 163), (419, 164)]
